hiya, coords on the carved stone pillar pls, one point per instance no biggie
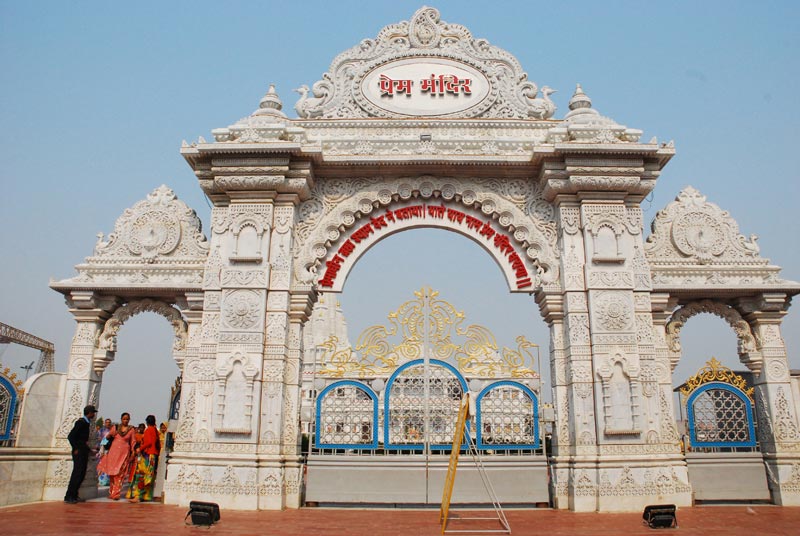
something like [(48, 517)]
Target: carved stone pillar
[(279, 472), (302, 300), (776, 406), (661, 306), (215, 456), (552, 309), (615, 389)]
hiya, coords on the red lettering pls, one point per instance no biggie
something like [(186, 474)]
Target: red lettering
[(501, 242), (390, 215), (379, 222), (455, 215), (406, 213), (474, 223), (432, 85), (518, 265), (386, 85), (404, 86), (333, 267), (362, 233), (445, 83), (436, 212), (389, 86), (347, 248), (486, 230), (452, 84)]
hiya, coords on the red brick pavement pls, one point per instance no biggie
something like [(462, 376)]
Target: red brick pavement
[(105, 518)]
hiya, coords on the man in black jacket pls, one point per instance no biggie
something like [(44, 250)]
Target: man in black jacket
[(79, 441)]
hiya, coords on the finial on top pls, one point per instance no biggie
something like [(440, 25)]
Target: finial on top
[(579, 99), (270, 104)]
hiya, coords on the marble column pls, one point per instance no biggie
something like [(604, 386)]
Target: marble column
[(776, 406)]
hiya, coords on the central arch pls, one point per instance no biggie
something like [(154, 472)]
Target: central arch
[(481, 209)]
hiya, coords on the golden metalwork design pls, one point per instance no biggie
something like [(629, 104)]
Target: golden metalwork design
[(714, 371), (12, 378), (427, 315)]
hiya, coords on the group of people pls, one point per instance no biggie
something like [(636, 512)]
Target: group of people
[(127, 453)]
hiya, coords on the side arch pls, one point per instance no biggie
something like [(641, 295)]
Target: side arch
[(747, 344), (108, 337)]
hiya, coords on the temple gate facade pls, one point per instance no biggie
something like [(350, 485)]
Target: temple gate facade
[(427, 126)]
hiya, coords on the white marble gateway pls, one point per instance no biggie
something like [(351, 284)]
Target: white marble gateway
[(394, 128)]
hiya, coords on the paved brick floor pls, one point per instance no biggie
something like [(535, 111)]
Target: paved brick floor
[(106, 518)]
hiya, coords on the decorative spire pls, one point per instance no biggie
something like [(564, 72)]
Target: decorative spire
[(584, 124), (580, 104), (270, 104), (579, 99)]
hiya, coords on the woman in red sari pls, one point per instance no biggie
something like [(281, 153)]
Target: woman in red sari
[(116, 462), (141, 488)]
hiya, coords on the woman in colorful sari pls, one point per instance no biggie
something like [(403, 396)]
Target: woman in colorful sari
[(102, 432), (141, 488), (116, 462)]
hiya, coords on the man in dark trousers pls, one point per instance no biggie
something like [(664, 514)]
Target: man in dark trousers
[(79, 441)]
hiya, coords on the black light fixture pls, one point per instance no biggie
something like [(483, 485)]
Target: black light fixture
[(203, 513), (660, 516)]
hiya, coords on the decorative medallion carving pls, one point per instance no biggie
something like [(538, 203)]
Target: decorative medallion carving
[(777, 370), (242, 309), (155, 232), (697, 234), (612, 311)]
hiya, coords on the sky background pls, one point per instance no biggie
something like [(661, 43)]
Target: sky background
[(96, 98)]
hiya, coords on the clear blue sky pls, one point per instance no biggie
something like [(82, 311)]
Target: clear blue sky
[(97, 96)]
